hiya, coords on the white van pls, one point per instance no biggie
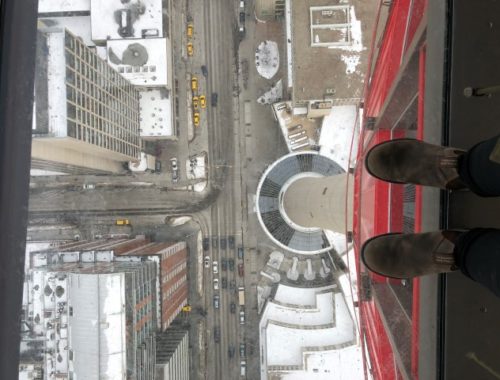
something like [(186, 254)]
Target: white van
[(243, 368)]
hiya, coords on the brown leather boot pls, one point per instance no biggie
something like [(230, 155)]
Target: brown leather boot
[(410, 255), (417, 162)]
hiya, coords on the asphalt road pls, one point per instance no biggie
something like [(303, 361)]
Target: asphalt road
[(65, 200), (219, 28)]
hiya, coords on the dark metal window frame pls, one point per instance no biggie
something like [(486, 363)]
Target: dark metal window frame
[(17, 68)]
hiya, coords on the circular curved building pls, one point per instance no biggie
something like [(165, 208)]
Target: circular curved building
[(301, 198)]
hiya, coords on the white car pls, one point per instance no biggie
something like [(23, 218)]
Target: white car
[(175, 170), (207, 262), (215, 267), (216, 284), (88, 186)]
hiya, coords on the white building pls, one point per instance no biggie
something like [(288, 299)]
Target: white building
[(87, 317), (309, 333), (86, 116)]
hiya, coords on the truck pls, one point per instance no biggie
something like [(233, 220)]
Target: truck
[(241, 295), (248, 112)]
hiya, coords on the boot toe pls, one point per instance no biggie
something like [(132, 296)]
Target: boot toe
[(380, 260)]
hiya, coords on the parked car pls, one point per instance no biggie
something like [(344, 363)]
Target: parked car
[(231, 264), (241, 271), (224, 283), (175, 169), (216, 334), (242, 317), (215, 267), (213, 99), (242, 350), (223, 243), (243, 368), (204, 70), (206, 244), (233, 308), (157, 166), (241, 253), (216, 301), (230, 240), (207, 262), (230, 352), (224, 264)]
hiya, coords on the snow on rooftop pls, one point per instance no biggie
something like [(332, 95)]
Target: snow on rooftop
[(51, 6), (322, 314), (114, 19), (336, 134), (343, 364), (143, 62), (267, 59), (299, 296), (77, 25), (284, 344), (155, 114)]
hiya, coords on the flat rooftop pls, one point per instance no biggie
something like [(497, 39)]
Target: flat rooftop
[(334, 67)]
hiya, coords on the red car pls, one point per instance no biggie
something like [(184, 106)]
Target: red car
[(240, 270)]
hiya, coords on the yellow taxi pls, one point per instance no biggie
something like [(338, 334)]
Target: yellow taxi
[(190, 30), (190, 49), (122, 222), (187, 308), (203, 101), (196, 119), (195, 102), (194, 84)]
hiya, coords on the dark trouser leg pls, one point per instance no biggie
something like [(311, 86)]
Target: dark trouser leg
[(478, 172), (477, 253)]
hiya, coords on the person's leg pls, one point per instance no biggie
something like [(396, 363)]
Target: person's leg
[(478, 171), (477, 254), (415, 161), (421, 163)]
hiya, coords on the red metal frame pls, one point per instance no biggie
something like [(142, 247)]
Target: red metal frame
[(372, 197)]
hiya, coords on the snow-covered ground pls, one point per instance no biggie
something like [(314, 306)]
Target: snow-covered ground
[(267, 59), (275, 94)]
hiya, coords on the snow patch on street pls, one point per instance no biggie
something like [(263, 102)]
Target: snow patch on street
[(275, 94), (267, 59)]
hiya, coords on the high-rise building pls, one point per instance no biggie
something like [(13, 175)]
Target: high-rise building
[(86, 115), (121, 290), (90, 317), (172, 275), (172, 354)]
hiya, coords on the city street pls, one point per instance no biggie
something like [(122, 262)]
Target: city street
[(238, 153)]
